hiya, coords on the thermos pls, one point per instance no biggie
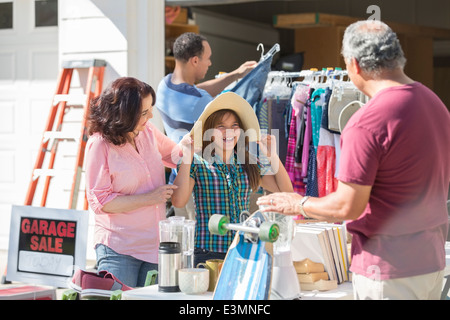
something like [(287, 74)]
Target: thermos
[(168, 266)]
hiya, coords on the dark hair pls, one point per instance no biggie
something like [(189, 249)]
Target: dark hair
[(188, 45), (249, 165), (117, 110)]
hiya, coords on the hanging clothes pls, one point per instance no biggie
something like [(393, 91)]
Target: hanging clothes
[(295, 141), (251, 87), (326, 152), (277, 109), (312, 144), (276, 102), (293, 168), (299, 100), (307, 137), (317, 101), (262, 112), (312, 188)]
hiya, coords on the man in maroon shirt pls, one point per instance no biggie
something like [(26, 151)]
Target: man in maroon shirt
[(393, 176)]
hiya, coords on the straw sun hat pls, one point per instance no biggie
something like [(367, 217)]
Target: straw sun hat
[(232, 101)]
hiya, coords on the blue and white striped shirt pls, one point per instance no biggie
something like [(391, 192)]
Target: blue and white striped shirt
[(180, 105)]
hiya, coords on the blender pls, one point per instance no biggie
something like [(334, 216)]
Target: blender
[(178, 229)]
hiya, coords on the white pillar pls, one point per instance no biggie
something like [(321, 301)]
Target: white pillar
[(146, 42)]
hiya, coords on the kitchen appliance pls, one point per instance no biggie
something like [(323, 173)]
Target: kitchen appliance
[(178, 229), (169, 263)]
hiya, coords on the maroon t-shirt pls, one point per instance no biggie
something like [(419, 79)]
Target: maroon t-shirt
[(399, 143)]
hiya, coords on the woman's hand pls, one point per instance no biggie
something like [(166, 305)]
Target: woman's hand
[(126, 203), (161, 194)]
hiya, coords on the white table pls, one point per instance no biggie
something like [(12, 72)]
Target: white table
[(343, 292), (152, 293)]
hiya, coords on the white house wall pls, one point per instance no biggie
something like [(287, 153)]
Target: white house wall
[(94, 30), (28, 69)]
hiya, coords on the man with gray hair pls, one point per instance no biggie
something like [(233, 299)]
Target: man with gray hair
[(394, 174)]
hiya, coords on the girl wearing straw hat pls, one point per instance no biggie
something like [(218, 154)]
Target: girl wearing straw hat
[(221, 169)]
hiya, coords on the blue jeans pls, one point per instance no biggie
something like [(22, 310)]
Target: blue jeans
[(127, 269), (251, 87)]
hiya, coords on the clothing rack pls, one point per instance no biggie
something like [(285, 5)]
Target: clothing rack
[(305, 108), (327, 77), (312, 73)]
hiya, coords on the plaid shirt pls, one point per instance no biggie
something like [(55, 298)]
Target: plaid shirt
[(219, 189)]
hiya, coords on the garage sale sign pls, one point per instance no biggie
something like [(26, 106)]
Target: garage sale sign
[(46, 245)]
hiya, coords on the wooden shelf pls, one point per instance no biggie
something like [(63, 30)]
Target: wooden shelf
[(302, 20), (172, 32), (175, 29), (169, 62), (319, 37)]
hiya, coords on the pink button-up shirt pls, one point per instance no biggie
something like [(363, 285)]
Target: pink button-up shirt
[(120, 170)]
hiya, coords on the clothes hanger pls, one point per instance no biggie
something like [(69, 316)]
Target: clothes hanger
[(270, 53), (260, 46)]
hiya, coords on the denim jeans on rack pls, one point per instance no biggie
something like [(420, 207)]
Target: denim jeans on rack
[(251, 87)]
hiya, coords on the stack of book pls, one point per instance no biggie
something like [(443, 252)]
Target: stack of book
[(322, 243)]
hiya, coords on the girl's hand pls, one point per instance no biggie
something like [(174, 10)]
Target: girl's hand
[(187, 146), (268, 145)]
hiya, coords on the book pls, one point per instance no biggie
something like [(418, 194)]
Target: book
[(342, 240), (333, 231), (313, 243), (323, 243), (340, 237)]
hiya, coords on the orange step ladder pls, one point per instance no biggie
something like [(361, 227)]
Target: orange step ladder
[(53, 128)]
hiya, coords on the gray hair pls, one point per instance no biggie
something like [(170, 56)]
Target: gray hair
[(374, 45)]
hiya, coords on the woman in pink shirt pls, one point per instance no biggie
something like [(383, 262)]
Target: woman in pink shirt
[(125, 179)]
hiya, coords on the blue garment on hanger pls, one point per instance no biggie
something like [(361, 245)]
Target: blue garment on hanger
[(288, 112), (317, 100), (312, 188), (262, 112), (251, 87)]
